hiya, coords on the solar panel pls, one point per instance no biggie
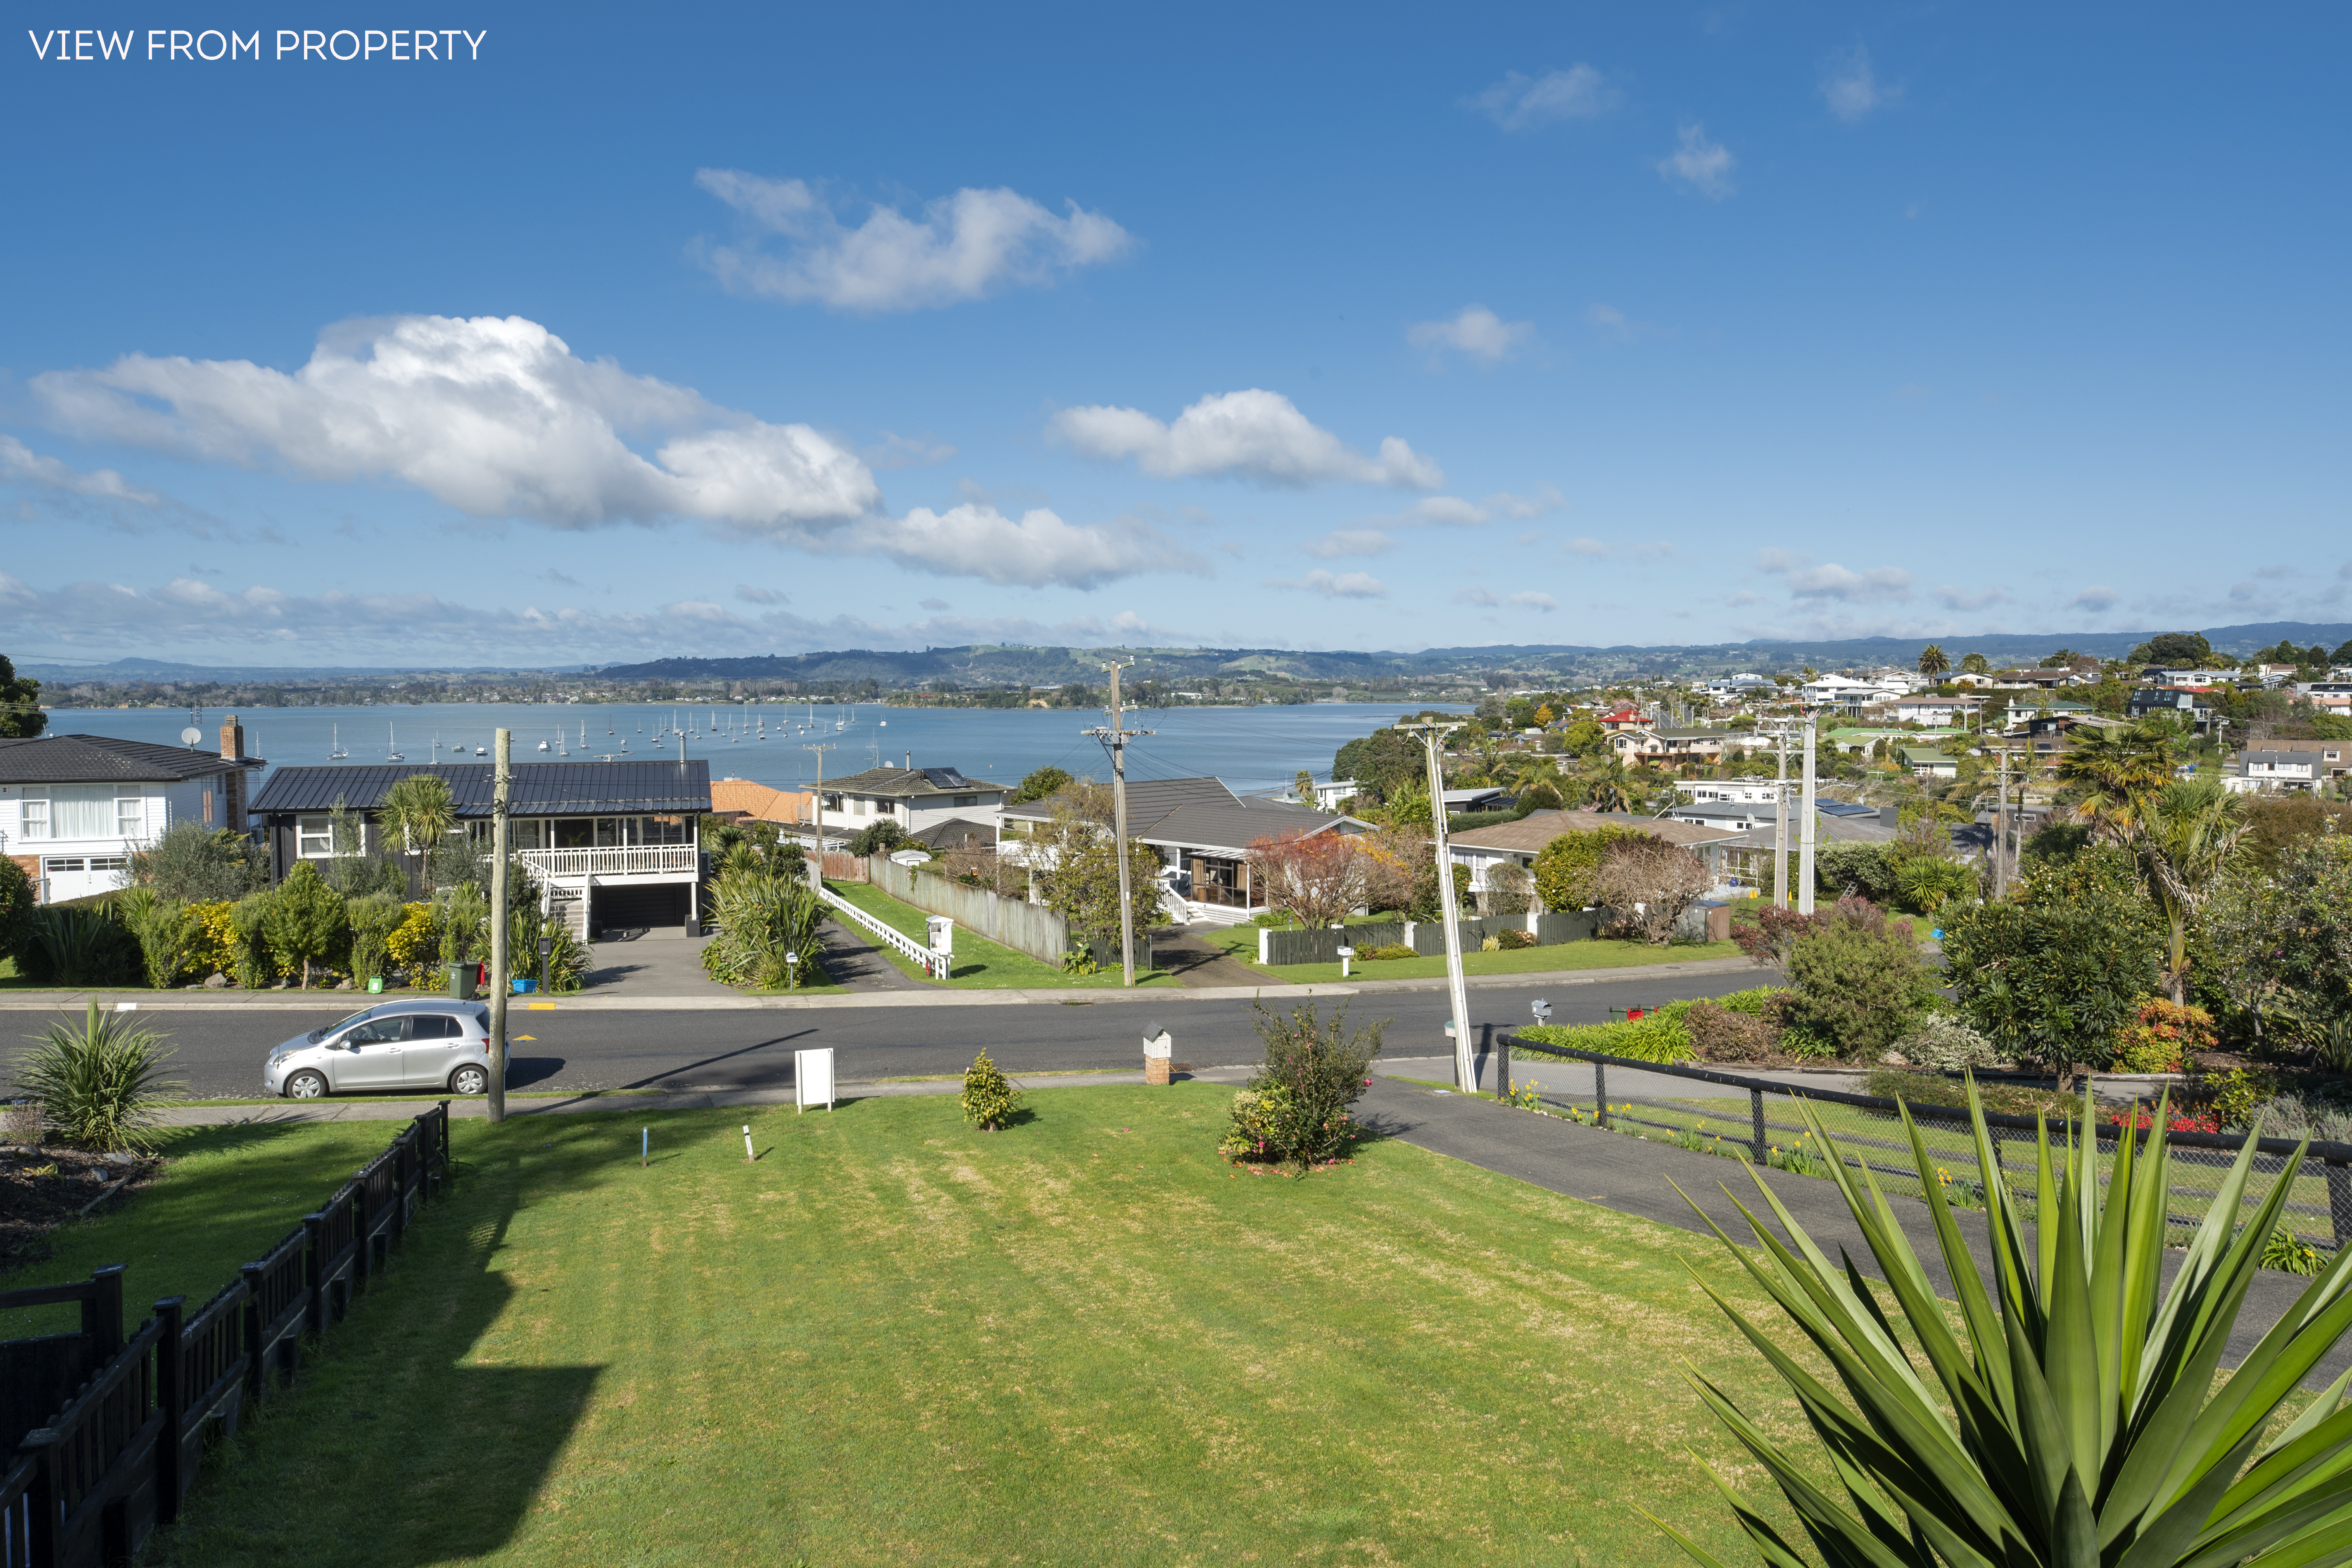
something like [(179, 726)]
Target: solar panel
[(945, 778)]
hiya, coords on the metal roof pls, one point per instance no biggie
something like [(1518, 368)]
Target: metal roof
[(1235, 827), (1148, 800), (101, 759), (539, 789), (901, 783)]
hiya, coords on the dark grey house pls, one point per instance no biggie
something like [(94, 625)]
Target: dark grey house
[(620, 843)]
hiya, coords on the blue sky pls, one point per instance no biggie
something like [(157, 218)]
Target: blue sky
[(727, 330)]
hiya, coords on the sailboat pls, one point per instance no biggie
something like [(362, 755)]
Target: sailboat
[(393, 740), (335, 751)]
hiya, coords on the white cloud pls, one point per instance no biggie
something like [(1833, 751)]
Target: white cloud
[(751, 595), (1451, 510), (1611, 320), (1851, 87), (1704, 166), (1835, 582), (20, 462), (1479, 596), (1335, 585), (1350, 541), (1253, 434), (1954, 598), (1475, 331), (1039, 549), (1544, 602), (2095, 600), (934, 606), (1620, 550), (495, 417), (1520, 102), (964, 247)]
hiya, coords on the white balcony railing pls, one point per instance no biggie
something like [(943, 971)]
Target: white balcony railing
[(637, 860)]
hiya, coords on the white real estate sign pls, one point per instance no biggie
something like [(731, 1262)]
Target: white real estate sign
[(812, 1077)]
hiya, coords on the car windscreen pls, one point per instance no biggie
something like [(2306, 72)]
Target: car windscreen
[(339, 1025)]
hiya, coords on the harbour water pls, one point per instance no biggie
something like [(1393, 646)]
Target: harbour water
[(1249, 748)]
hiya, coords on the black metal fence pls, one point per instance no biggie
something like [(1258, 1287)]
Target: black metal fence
[(102, 1434), (1756, 1119)]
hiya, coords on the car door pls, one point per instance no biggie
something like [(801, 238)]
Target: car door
[(436, 1042), (370, 1054)]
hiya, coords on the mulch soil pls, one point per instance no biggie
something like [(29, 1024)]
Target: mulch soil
[(41, 1188)]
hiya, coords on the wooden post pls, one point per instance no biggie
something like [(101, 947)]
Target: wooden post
[(101, 1313), (314, 1270), (171, 1372), (256, 1371)]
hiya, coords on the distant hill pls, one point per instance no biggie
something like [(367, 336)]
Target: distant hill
[(1003, 664)]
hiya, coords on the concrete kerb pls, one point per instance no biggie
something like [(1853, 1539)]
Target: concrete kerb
[(171, 1001)]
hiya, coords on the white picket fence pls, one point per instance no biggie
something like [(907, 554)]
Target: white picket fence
[(1024, 926), (934, 965)]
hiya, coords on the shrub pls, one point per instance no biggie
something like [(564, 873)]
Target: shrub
[(1514, 940), (1650, 883), (1566, 866), (1946, 1044), (876, 839), (464, 924), (1392, 951), (98, 1084), (1930, 881), (1772, 935), (248, 914), (2160, 1037), (216, 942), (194, 864), (2235, 1098), (79, 944), (15, 907), (1509, 888), (415, 943), (1656, 1038), (372, 919), (1859, 980), (1717, 1034), (1849, 871), (989, 1097), (1080, 961), (1295, 1110), (762, 917), (305, 924), (168, 933)]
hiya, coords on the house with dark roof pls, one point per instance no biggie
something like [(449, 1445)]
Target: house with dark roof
[(617, 843), (917, 799), (74, 807), (1200, 829)]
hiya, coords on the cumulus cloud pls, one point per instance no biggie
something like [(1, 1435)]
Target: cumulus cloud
[(1851, 87), (1350, 541), (1521, 102), (751, 595), (21, 463), (1703, 165), (964, 247), (495, 417), (1254, 435), (1475, 332), (1334, 585), (1954, 598), (1037, 550), (2096, 599), (1833, 581)]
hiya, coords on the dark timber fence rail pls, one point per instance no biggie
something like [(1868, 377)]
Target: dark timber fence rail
[(1758, 1121), (103, 1432)]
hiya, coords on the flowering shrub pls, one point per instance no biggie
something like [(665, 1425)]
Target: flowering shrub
[(1294, 1111), (2142, 1118), (415, 943), (2161, 1035), (217, 944)]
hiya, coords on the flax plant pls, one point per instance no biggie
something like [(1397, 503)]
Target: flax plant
[(2073, 1421)]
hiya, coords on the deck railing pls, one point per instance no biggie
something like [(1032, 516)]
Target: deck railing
[(619, 861), (114, 1454)]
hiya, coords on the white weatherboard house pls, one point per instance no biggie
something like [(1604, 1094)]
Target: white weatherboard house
[(73, 807)]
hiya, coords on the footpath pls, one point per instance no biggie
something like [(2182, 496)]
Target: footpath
[(1632, 1175), (716, 999)]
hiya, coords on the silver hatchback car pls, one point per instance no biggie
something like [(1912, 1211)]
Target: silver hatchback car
[(421, 1044)]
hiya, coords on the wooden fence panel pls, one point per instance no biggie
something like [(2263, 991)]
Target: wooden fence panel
[(1015, 924)]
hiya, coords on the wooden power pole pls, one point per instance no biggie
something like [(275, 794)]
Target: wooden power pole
[(1116, 738), (816, 814), (501, 793), (1466, 1066)]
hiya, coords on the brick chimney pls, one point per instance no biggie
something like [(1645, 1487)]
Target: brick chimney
[(233, 785)]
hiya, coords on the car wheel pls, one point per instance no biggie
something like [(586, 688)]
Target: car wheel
[(468, 1080), (305, 1085)]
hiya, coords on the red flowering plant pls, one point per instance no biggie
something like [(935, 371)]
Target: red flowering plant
[(1294, 1111), (2161, 1035)]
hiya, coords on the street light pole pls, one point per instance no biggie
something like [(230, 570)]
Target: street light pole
[(1465, 1069), (1806, 828)]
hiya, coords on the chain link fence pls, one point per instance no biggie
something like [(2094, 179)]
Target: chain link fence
[(1756, 1119)]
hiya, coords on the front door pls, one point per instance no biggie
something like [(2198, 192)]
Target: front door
[(371, 1054), (435, 1042)]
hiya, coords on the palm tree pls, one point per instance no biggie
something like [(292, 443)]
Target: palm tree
[(418, 808), (1932, 662), (1607, 784), (2188, 831), (1975, 663), (2117, 768)]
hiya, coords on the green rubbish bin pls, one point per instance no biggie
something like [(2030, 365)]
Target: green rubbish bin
[(461, 982)]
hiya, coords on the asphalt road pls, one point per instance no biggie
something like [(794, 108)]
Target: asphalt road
[(218, 1052)]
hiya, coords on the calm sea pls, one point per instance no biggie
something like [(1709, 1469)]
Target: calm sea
[(1249, 748)]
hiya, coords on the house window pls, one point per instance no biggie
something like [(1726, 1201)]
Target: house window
[(130, 815), (528, 832), (665, 830), (110, 862), (314, 836), (75, 811), (37, 814), (60, 863), (967, 800)]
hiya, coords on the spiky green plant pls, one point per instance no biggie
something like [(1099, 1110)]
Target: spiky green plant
[(98, 1084), (2073, 1421)]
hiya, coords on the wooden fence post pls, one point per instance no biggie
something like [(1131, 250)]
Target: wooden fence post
[(43, 1508), (101, 1314), (257, 1374), (314, 1270), (171, 1372)]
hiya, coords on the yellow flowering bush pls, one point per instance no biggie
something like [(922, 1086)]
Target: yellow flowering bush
[(218, 944), (415, 943)]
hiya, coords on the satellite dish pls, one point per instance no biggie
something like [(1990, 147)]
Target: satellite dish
[(191, 735)]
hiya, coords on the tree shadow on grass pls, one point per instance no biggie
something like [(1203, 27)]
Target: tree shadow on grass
[(402, 1442)]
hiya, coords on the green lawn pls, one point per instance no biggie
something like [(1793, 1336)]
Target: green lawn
[(896, 1340), (1241, 942), (980, 964)]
